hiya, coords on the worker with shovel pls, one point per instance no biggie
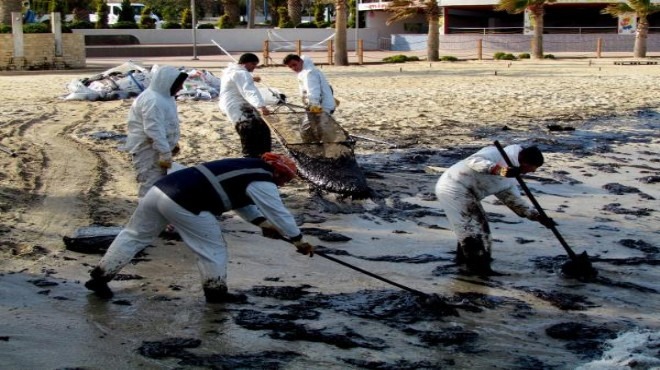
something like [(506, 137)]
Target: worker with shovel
[(461, 188), (190, 199)]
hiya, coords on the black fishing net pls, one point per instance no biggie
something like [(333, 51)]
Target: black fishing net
[(322, 149)]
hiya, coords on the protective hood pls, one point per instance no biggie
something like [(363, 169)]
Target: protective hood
[(163, 79), (308, 64)]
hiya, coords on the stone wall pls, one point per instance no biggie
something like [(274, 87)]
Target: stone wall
[(39, 52)]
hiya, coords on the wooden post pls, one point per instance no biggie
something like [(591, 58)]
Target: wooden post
[(360, 52), (265, 52), (599, 47), (480, 49), (330, 53), (298, 47), (56, 28)]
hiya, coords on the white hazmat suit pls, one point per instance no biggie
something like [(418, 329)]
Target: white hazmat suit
[(239, 101), (153, 128), (314, 88), (460, 190)]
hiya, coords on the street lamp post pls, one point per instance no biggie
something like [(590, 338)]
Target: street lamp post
[(194, 29)]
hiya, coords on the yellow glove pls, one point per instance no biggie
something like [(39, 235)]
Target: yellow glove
[(304, 248), (315, 109), (165, 160)]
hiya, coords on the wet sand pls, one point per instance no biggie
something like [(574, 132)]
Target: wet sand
[(600, 184)]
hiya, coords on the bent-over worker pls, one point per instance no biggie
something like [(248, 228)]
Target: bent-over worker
[(241, 101), (461, 188), (190, 199)]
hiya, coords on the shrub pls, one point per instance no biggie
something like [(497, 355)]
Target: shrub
[(396, 59), (283, 15), (124, 25), (77, 25), (186, 18), (523, 56), (36, 28), (170, 25), (449, 58), (504, 56), (548, 56), (205, 26), (225, 22), (5, 28), (306, 25), (323, 24), (146, 22), (412, 59)]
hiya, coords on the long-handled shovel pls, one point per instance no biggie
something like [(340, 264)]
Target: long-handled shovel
[(578, 266), (431, 300)]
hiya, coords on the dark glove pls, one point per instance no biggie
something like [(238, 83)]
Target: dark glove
[(545, 221), (269, 231), (304, 248), (176, 150)]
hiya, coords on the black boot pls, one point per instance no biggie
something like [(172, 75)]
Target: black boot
[(460, 257), (99, 284), (216, 294)]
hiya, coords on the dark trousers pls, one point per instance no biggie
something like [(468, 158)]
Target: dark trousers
[(255, 137)]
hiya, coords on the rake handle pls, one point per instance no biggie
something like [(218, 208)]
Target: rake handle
[(536, 204), (411, 290)]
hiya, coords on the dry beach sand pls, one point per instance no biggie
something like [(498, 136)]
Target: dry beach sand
[(600, 184)]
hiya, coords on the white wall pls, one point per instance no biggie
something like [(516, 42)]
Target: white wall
[(243, 39)]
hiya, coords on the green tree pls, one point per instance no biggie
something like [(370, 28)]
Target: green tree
[(403, 9), (126, 14), (102, 15), (146, 22), (642, 9), (283, 18), (186, 18), (537, 10)]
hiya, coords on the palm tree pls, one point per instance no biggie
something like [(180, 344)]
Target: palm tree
[(295, 11), (642, 9), (6, 8), (537, 9), (341, 20), (232, 10), (403, 9)]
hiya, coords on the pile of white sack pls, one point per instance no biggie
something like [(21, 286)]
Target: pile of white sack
[(130, 79)]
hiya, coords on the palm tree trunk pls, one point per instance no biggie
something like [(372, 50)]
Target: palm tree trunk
[(341, 53), (6, 8), (640, 37), (232, 10), (433, 40), (295, 9), (537, 41)]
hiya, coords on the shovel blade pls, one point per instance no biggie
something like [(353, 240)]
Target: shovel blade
[(580, 268)]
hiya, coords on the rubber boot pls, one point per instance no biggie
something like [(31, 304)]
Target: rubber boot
[(460, 257), (99, 283), (216, 294)]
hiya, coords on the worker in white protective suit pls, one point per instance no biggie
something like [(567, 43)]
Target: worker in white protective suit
[(241, 101), (461, 188), (190, 199), (153, 127), (317, 96)]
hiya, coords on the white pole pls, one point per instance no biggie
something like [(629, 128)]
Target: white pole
[(194, 29)]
